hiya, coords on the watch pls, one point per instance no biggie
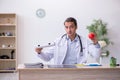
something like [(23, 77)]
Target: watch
[(40, 13)]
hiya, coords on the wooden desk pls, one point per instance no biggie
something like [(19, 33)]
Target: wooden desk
[(79, 73)]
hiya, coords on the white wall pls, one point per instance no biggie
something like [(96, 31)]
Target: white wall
[(33, 30)]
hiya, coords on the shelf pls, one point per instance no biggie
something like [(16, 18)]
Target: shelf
[(7, 71), (6, 48), (7, 36), (8, 42), (7, 25), (7, 59)]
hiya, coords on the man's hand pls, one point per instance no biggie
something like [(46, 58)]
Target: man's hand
[(93, 37), (38, 50)]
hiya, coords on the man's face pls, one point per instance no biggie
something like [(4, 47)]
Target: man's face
[(70, 28)]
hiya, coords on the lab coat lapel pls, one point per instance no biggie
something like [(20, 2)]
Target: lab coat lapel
[(78, 53), (62, 51)]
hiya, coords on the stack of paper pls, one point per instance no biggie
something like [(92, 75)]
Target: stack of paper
[(34, 65)]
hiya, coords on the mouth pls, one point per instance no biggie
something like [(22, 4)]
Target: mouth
[(69, 32)]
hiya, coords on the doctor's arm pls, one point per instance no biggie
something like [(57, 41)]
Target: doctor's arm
[(94, 48), (45, 55)]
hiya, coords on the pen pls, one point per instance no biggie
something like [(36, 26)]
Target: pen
[(94, 65)]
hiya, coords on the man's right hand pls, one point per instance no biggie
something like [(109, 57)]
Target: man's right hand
[(38, 50)]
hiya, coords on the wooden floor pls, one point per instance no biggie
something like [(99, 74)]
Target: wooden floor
[(9, 76)]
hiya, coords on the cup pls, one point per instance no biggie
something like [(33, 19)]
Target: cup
[(8, 33)]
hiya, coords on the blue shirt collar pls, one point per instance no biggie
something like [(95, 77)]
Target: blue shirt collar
[(75, 40)]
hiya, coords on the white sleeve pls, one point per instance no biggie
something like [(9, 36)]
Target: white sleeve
[(94, 50), (47, 55)]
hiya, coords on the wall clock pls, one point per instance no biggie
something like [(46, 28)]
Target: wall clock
[(40, 13)]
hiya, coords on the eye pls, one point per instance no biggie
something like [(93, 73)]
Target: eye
[(72, 26), (66, 27)]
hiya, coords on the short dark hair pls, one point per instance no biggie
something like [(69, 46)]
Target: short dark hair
[(71, 19)]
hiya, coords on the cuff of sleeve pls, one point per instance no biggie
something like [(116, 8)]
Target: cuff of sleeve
[(97, 45)]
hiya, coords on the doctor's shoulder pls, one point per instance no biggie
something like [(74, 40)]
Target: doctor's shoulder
[(84, 40), (59, 39)]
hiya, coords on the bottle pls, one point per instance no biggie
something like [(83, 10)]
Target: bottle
[(112, 61)]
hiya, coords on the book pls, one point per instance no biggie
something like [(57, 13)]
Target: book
[(33, 65)]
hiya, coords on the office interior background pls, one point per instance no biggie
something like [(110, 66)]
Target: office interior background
[(33, 31)]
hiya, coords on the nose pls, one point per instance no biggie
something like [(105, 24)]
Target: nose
[(69, 28)]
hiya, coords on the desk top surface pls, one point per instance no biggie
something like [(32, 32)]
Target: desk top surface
[(71, 67)]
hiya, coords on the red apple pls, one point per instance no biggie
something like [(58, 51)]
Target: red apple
[(91, 35)]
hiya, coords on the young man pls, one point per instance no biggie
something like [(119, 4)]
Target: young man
[(70, 48)]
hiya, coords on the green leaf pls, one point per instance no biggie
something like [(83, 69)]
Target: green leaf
[(100, 29)]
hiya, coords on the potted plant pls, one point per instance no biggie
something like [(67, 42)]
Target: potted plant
[(100, 29)]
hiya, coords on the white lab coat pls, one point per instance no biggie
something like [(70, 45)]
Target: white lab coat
[(58, 51)]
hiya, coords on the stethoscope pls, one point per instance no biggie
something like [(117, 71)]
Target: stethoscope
[(81, 47)]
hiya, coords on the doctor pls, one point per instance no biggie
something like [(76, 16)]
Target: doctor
[(70, 48)]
